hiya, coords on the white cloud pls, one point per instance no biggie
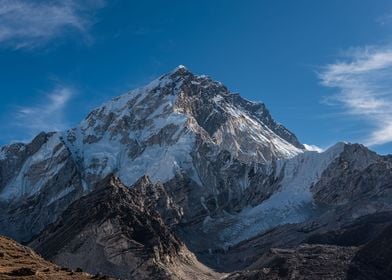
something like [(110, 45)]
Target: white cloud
[(364, 86), (28, 24), (313, 148), (48, 115)]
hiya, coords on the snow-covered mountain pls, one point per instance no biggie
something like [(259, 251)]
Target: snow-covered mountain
[(158, 131), (228, 171), (215, 168), (180, 124)]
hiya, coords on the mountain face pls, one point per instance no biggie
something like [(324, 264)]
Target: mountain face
[(38, 181), (201, 174), (126, 238), (180, 125), (166, 127)]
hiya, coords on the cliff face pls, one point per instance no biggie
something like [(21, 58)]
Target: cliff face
[(38, 182), (113, 232)]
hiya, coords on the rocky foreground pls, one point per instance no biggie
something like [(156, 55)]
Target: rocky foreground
[(20, 262), (370, 261)]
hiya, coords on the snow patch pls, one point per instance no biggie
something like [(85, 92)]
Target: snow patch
[(25, 184), (160, 163), (60, 195), (3, 155)]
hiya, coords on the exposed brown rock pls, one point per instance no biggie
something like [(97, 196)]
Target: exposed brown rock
[(113, 232), (20, 262)]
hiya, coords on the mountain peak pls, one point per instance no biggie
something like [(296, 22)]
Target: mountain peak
[(180, 68), (179, 72), (160, 130), (160, 124)]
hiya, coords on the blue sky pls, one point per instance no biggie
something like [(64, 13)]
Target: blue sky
[(322, 67)]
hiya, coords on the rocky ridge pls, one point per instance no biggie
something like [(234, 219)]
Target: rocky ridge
[(126, 239), (20, 262)]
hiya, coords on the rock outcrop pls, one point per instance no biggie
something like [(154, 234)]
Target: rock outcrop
[(112, 231)]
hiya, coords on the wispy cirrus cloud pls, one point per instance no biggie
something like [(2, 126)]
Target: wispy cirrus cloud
[(47, 115), (364, 84), (29, 24), (385, 19)]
